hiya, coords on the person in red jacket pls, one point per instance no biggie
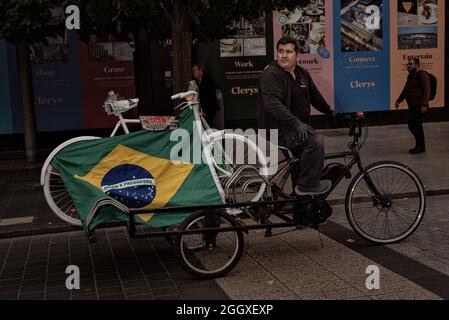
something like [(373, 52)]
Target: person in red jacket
[(417, 93)]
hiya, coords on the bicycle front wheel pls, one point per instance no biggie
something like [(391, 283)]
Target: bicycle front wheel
[(386, 203)]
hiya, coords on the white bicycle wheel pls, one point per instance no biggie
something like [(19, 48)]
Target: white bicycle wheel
[(55, 192), (234, 154)]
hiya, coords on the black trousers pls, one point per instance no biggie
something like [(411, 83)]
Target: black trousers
[(309, 170), (415, 125)]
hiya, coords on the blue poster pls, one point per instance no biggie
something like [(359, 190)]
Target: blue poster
[(362, 53), (6, 120), (56, 84)]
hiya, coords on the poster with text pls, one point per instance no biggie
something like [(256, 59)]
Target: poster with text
[(312, 27), (362, 79), (238, 65), (106, 65), (56, 84), (417, 31)]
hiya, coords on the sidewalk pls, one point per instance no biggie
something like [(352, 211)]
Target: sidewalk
[(293, 266), (115, 267)]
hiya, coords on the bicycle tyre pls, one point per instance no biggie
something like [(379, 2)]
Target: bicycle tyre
[(54, 188), (351, 200), (181, 255)]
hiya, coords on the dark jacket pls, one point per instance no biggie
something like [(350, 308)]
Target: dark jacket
[(416, 90), (208, 96), (274, 105)]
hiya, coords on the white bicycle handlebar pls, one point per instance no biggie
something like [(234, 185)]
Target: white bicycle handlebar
[(183, 95)]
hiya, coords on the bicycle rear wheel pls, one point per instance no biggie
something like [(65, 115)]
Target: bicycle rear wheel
[(209, 254), (58, 197), (55, 192), (396, 213)]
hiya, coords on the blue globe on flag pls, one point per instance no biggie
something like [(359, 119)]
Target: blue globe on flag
[(130, 184)]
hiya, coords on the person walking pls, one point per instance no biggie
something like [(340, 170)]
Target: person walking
[(417, 94), (207, 93)]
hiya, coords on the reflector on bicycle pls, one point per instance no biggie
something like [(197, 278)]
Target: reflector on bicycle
[(159, 123)]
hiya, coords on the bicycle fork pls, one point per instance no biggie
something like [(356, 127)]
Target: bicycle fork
[(381, 199)]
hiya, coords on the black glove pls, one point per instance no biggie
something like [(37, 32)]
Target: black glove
[(304, 131)]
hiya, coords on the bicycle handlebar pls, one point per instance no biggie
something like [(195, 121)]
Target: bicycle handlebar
[(355, 121), (183, 95)]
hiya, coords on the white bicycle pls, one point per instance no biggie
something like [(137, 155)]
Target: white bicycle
[(239, 180)]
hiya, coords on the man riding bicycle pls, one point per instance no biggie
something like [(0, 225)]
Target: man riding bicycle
[(286, 92)]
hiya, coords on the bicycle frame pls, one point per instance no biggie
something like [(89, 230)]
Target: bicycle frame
[(123, 123), (355, 160)]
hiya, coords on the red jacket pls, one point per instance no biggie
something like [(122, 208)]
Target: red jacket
[(416, 90)]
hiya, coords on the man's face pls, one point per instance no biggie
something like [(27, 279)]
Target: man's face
[(287, 56), (411, 66), (197, 73)]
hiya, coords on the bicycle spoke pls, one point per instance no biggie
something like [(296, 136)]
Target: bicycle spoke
[(66, 197), (406, 206), (397, 215), (57, 188), (399, 181), (60, 194)]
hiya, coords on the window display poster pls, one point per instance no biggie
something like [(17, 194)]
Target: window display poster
[(248, 41), (238, 63), (417, 31), (56, 84), (106, 65), (312, 27), (362, 58)]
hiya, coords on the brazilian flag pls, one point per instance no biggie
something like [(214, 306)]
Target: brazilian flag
[(110, 177)]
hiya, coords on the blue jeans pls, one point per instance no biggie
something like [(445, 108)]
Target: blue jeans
[(309, 170)]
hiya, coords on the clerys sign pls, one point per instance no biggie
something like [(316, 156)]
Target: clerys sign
[(238, 64)]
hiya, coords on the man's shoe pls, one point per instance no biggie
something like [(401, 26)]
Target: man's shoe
[(417, 151), (413, 150), (322, 187)]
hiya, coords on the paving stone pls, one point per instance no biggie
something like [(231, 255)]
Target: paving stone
[(408, 295), (331, 294)]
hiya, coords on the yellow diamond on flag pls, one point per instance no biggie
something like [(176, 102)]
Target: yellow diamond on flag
[(137, 179), (146, 217)]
